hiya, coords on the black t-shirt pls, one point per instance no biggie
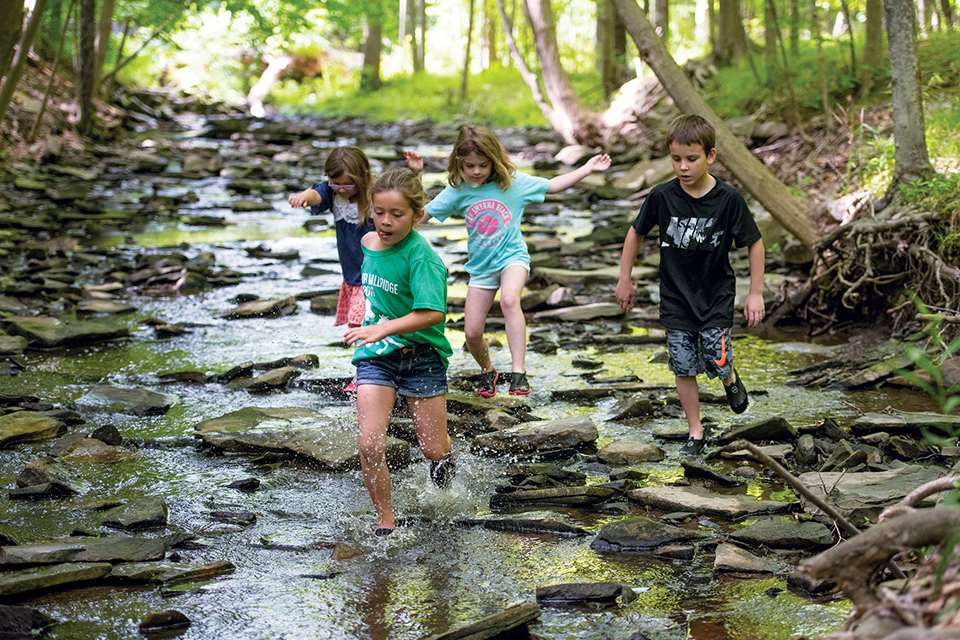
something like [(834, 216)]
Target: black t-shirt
[(697, 284)]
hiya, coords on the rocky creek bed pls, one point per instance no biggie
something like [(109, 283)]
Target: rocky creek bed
[(174, 435)]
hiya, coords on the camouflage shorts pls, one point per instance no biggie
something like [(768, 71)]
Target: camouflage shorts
[(708, 351)]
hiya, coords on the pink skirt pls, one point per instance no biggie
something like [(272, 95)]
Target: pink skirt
[(350, 306)]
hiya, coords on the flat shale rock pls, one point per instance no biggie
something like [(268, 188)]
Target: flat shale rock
[(705, 502)]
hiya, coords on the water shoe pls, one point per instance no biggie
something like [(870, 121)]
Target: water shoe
[(520, 385), (487, 387), (737, 395)]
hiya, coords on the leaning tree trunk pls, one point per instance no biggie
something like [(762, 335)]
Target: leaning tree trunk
[(20, 59), (756, 178), (910, 157), (569, 117)]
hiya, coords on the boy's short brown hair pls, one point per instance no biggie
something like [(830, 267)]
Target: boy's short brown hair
[(692, 129)]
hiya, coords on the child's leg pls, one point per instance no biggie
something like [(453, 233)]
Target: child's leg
[(511, 288), (689, 394), (475, 311), (374, 406), (430, 420)]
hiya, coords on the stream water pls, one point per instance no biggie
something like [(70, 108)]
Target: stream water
[(424, 579)]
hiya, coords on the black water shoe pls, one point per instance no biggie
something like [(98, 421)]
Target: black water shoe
[(487, 387), (737, 394)]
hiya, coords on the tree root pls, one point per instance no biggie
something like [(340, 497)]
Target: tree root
[(928, 608)]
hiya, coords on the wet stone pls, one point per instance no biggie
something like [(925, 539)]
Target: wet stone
[(538, 437), (27, 426), (147, 513), (23, 622), (730, 557), (694, 469), (906, 423), (51, 577), (138, 401), (108, 434), (705, 502), (51, 332), (566, 496), (164, 621), (525, 525), (641, 534), (168, 572), (789, 535), (581, 592), (49, 470), (263, 309), (633, 408), (775, 429), (865, 494), (627, 452)]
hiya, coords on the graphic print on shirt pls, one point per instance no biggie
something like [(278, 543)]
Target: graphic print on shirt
[(696, 234), (371, 284), (490, 219)]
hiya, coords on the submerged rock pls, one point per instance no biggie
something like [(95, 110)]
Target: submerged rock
[(137, 402), (52, 332), (164, 622), (641, 534), (23, 622), (581, 592), (58, 575), (47, 470)]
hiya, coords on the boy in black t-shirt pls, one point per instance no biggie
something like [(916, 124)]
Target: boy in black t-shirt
[(700, 217)]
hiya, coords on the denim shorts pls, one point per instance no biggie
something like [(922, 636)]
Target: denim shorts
[(492, 280), (415, 371), (694, 352)]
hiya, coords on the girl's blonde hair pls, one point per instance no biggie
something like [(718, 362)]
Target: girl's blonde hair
[(353, 161), (406, 183), (483, 142)]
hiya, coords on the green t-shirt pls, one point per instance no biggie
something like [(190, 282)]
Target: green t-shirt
[(396, 281)]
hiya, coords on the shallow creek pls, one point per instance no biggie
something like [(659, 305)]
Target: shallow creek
[(424, 579)]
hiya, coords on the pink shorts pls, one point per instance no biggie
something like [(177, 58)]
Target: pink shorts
[(350, 306)]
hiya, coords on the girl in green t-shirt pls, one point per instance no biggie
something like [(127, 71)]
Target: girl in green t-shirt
[(401, 347)]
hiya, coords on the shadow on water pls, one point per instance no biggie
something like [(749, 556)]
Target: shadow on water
[(423, 579)]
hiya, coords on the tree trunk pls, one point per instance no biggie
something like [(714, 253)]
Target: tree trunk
[(88, 33), (873, 46), (770, 43), (731, 39), (372, 47), (606, 62), (491, 40), (662, 11), (795, 28), (949, 18), (911, 161), (11, 28), (421, 58), (853, 49), (927, 9), (20, 58), (102, 44), (772, 194), (569, 117), (466, 54), (821, 64), (413, 11)]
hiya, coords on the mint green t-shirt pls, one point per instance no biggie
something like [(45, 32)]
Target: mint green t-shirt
[(493, 219), (396, 281)]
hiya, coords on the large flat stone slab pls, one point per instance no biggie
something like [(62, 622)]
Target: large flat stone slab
[(785, 534), (84, 549), (866, 494), (705, 502), (905, 423), (49, 332), (259, 430), (28, 426), (168, 572), (137, 401), (58, 576), (538, 437)]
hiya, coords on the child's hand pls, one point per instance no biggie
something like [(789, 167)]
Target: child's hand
[(364, 335), (298, 200), (414, 161), (598, 163), (626, 295), (753, 309)]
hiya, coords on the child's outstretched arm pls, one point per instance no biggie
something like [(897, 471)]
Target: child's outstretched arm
[(307, 198), (753, 309), (563, 182), (626, 296), (416, 320)]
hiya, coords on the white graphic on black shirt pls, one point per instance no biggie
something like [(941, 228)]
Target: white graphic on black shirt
[(692, 233)]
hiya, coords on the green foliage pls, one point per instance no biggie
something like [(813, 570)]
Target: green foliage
[(947, 397), (497, 98), (940, 193)]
